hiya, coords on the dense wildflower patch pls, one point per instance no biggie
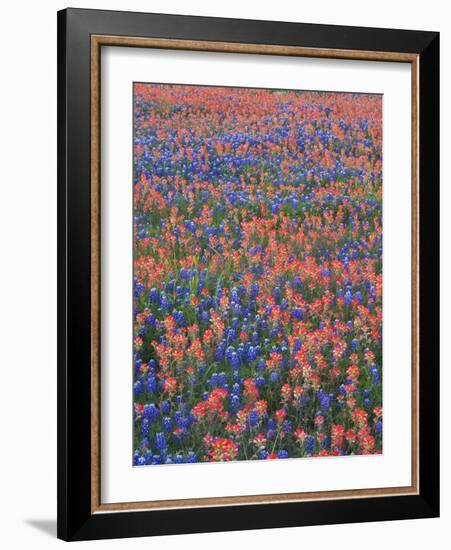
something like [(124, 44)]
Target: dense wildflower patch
[(257, 274)]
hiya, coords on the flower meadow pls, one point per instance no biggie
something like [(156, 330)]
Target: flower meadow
[(257, 274)]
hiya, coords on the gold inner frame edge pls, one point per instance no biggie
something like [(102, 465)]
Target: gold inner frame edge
[(97, 41)]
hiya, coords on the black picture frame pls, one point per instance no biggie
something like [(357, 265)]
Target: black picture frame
[(75, 518)]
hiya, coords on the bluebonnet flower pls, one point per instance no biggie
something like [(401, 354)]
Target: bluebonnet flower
[(375, 373), (136, 458), (166, 423), (148, 458), (348, 297), (287, 426), (271, 434), (140, 461), (145, 427), (274, 376), (153, 295), (152, 384), (138, 387), (191, 457), (150, 412), (160, 442), (253, 418), (324, 400), (309, 444), (235, 403)]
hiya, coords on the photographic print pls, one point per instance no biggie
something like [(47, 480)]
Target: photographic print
[(257, 274), (248, 274)]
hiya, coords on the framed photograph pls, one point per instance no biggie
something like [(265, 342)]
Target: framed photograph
[(248, 274)]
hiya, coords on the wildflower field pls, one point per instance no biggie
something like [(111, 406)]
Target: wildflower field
[(257, 274)]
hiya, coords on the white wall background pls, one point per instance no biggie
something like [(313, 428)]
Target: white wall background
[(28, 271)]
